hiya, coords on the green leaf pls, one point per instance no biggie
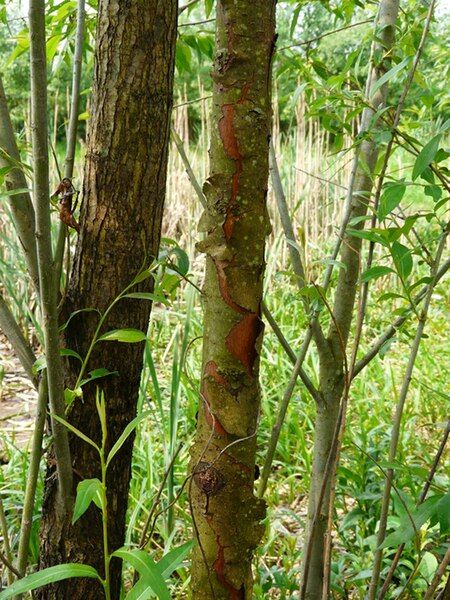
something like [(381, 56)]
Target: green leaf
[(405, 530), (173, 559), (208, 7), (426, 156), (140, 591), (76, 431), (387, 76), (76, 312), (147, 296), (402, 259), (69, 352), (390, 199), (443, 513), (375, 273), (147, 568), (129, 336), (86, 491), (15, 192), (46, 576), (97, 374), (126, 432)]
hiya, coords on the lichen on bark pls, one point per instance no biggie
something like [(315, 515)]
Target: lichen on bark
[(228, 521)]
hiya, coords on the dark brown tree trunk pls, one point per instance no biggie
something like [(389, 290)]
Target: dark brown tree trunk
[(227, 516), (123, 198)]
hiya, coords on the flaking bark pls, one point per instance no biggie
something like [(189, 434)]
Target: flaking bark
[(123, 198), (227, 516)]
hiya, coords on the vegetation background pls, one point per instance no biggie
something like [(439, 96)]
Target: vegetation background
[(320, 70)]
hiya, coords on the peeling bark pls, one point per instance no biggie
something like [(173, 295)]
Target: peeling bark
[(227, 516), (123, 198)]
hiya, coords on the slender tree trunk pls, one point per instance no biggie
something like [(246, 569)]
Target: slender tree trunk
[(123, 197), (225, 512), (332, 355)]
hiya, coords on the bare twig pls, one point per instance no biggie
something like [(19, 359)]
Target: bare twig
[(6, 544), (186, 6), (438, 576), (323, 35)]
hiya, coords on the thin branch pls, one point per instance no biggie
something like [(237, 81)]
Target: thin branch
[(186, 6), (322, 179), (71, 131), (192, 101), (323, 35), (47, 286), (6, 544), (440, 572), (17, 340), (187, 165), (20, 204), (291, 354), (422, 497), (392, 329), (196, 23), (8, 564), (32, 477), (395, 434)]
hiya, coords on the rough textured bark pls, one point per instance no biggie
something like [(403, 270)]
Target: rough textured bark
[(332, 356), (123, 197), (225, 511)]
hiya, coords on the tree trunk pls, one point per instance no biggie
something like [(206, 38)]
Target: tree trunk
[(123, 197), (332, 357), (225, 512)]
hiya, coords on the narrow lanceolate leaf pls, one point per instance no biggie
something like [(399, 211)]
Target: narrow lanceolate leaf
[(387, 76), (126, 432), (402, 259), (147, 568), (76, 431), (390, 199), (86, 492), (46, 576), (375, 273), (173, 559), (426, 156), (406, 531), (140, 591), (130, 336)]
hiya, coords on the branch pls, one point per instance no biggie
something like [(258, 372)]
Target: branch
[(72, 130), (291, 354), (196, 23), (32, 477), (423, 495), (319, 37), (38, 71), (17, 340), (20, 204), (192, 178), (186, 6), (392, 329)]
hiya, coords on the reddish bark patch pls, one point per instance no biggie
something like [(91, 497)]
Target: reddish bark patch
[(212, 420), (223, 287), (229, 139), (219, 568), (241, 340)]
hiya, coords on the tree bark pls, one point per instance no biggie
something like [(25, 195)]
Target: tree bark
[(225, 512), (332, 376), (123, 198)]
